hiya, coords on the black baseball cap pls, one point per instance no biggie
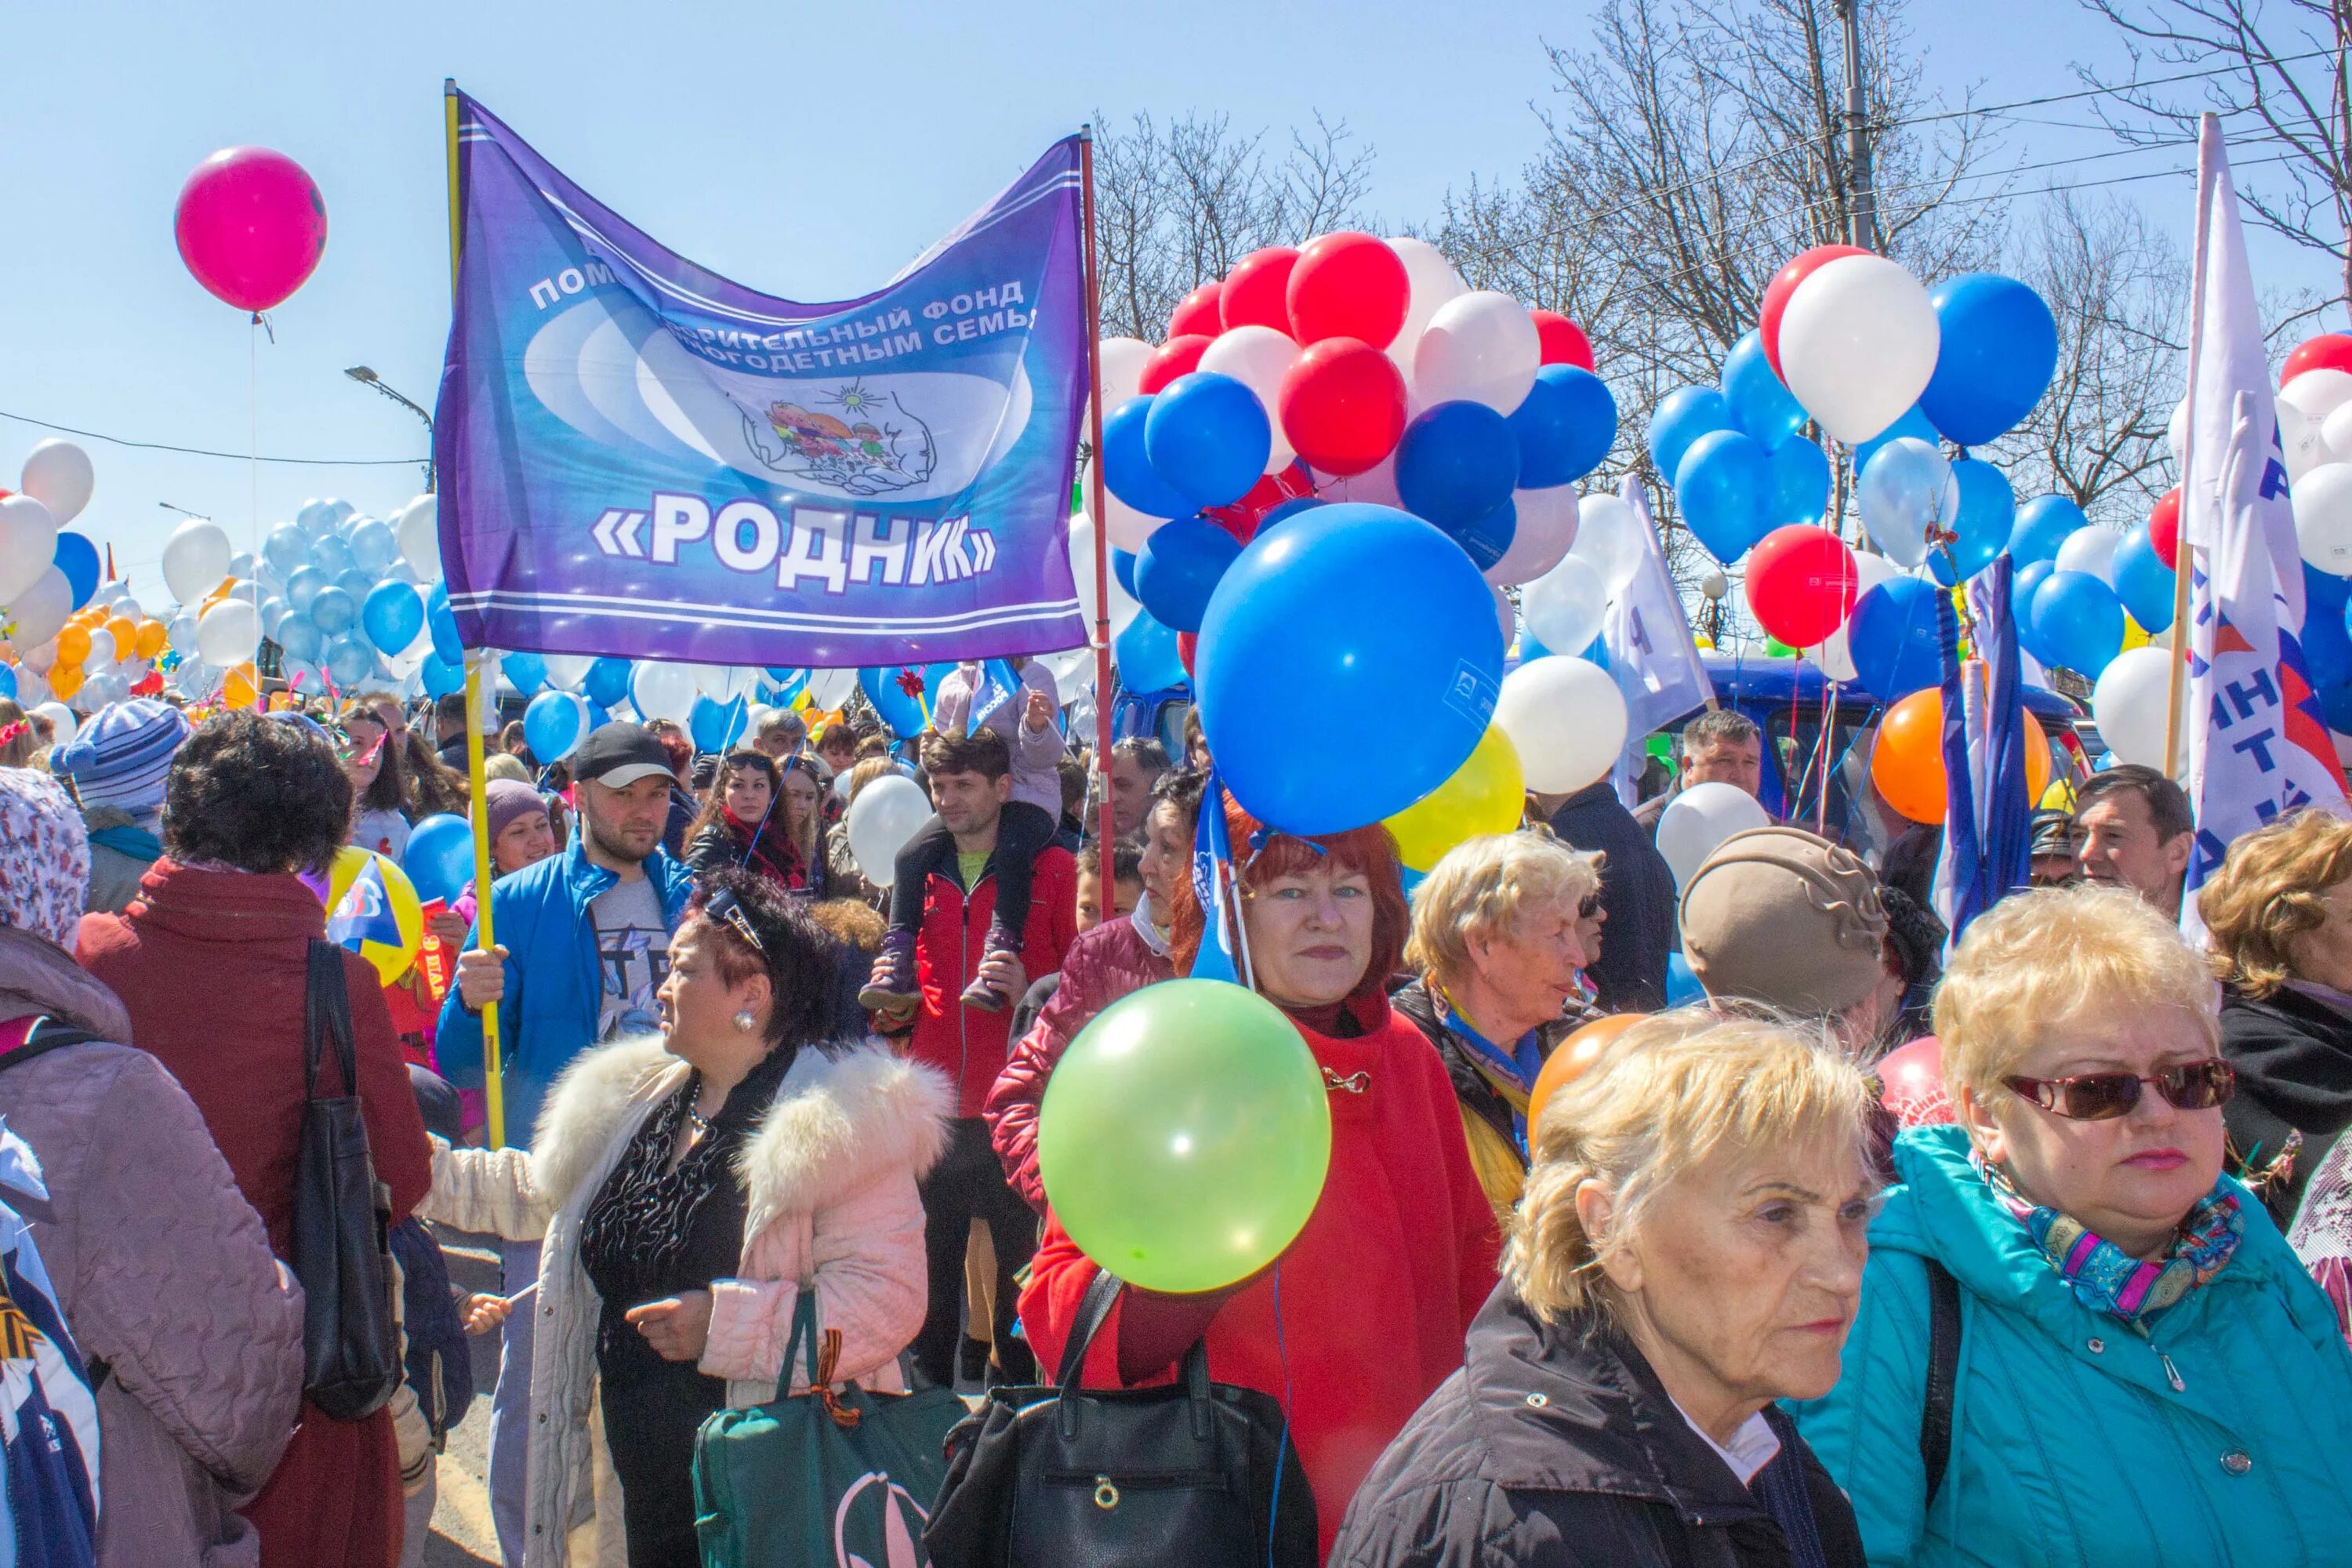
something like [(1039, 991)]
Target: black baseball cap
[(618, 755)]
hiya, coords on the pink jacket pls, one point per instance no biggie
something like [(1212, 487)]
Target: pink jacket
[(1036, 753)]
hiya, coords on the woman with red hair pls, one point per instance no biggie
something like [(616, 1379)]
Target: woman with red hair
[(1377, 1292)]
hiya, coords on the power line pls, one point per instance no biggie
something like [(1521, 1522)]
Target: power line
[(203, 452)]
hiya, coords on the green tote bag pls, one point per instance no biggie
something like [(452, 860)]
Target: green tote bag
[(830, 1478)]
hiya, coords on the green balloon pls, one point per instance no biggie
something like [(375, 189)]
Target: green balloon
[(1185, 1135)]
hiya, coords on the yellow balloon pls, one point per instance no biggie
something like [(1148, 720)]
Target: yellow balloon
[(1488, 794), (241, 685), (150, 638), (386, 896), (2135, 635), (73, 644), (65, 680)]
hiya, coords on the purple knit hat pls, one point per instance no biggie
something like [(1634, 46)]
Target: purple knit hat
[(510, 799)]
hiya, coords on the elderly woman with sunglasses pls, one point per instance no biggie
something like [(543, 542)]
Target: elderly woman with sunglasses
[(2079, 1340)]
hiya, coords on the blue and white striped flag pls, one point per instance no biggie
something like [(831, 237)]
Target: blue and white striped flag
[(1213, 876), (1987, 814)]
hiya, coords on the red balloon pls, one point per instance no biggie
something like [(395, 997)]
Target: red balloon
[(2329, 351), (1348, 286), (1256, 289), (1911, 1084), (1801, 584), (1242, 518), (1342, 405), (1177, 356), (1197, 312), (1188, 644), (1784, 283), (251, 226), (2164, 526), (1563, 341)]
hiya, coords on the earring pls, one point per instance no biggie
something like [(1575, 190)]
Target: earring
[(743, 1022)]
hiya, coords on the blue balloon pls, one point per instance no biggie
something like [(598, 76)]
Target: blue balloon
[(715, 726), (1122, 568), (1456, 463), (1894, 640), (2327, 660), (1764, 408), (303, 586), (1913, 424), (1486, 539), (373, 548), (1722, 484), (2143, 582), (1127, 466), (606, 683), (1179, 569), (1565, 427), (1147, 656), (2077, 622), (77, 557), (273, 616), (904, 713), (440, 677), (1683, 416), (1987, 518), (359, 584), (551, 726), (349, 660), (1208, 437), (2322, 591), (2021, 585), (8, 681), (1998, 347), (442, 622), (333, 611), (332, 557), (287, 548), (1345, 610), (1683, 988), (391, 615), (302, 638), (439, 858), (1801, 485), (2044, 524), (1288, 509)]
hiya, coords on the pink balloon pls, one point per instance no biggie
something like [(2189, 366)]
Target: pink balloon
[(251, 226), (1911, 1080)]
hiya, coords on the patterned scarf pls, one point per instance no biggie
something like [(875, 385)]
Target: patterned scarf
[(1510, 1071), (2107, 1279)]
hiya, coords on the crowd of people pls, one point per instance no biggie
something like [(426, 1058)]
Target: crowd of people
[(1590, 1280)]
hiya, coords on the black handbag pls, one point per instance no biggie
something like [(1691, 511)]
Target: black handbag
[(342, 1220), (1199, 1472)]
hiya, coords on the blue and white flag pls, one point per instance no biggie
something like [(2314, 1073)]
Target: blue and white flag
[(1651, 655), (1987, 814), (996, 687), (1212, 882), (364, 913), (2257, 744), (49, 1452)]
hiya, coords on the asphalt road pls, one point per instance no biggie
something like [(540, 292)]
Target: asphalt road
[(462, 1533)]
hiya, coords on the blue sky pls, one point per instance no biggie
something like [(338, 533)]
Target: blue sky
[(806, 150)]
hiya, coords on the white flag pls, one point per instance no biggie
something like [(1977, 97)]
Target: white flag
[(2257, 744), (1652, 656)]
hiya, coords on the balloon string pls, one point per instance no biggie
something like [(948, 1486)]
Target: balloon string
[(253, 421)]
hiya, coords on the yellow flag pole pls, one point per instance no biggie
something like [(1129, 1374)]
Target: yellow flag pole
[(477, 783)]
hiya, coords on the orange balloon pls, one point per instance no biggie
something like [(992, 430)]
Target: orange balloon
[(152, 638), (1907, 761), (126, 633), (239, 686), (1573, 1055), (73, 644), (65, 680)]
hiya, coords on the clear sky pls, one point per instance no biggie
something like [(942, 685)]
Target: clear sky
[(806, 150)]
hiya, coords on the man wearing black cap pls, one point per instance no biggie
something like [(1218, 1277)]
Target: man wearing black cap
[(584, 945)]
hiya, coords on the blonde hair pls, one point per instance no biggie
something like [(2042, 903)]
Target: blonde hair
[(2038, 960), (2272, 888), (505, 765), (1479, 890), (866, 770), (1665, 1096)]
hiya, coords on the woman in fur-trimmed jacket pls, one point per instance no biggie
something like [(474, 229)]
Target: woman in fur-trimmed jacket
[(688, 1187)]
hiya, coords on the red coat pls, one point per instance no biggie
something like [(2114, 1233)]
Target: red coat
[(1102, 965), (212, 966), (968, 1044), (1377, 1292)]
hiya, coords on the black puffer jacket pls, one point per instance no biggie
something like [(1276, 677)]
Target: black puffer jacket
[(1558, 1449), (2293, 1056), (1480, 1098)]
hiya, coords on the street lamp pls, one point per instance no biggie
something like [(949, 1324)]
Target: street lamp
[(367, 377)]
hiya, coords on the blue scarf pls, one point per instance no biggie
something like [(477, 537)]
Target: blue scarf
[(129, 839), (1512, 1071)]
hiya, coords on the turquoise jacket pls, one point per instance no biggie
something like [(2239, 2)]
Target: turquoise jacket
[(2071, 1442)]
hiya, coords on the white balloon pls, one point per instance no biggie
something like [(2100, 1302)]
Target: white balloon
[(32, 689), (38, 613), (2302, 439), (2335, 432), (1123, 362), (40, 657), (1546, 532), (1696, 821), (1566, 721), (57, 474), (1563, 607), (1832, 655), (2318, 393), (2129, 701), (101, 650), (62, 717), (663, 691), (2176, 429), (1608, 535), (1258, 357), (1858, 344), (226, 635), (1507, 619), (886, 813), (28, 544), (195, 559), (1376, 486), (1482, 346), (1433, 283), (2091, 550), (2323, 515), (418, 531), (128, 607), (1124, 607), (242, 564), (829, 689), (565, 671)]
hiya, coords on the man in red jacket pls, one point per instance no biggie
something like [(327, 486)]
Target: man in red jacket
[(970, 779)]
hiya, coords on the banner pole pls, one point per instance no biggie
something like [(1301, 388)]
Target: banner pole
[(477, 786), (1095, 499), (2183, 558)]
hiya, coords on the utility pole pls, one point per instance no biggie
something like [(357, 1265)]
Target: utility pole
[(1862, 204)]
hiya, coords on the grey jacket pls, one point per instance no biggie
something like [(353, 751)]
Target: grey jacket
[(114, 874), (164, 1272)]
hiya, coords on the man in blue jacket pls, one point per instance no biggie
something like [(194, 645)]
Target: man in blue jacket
[(584, 945)]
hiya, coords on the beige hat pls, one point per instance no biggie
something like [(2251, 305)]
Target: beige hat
[(1777, 916)]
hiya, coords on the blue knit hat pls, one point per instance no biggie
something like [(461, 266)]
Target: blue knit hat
[(121, 757)]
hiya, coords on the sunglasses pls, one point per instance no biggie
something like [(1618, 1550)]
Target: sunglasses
[(728, 909), (1589, 908), (2104, 1096)]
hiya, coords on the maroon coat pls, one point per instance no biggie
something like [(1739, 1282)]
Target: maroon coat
[(212, 966)]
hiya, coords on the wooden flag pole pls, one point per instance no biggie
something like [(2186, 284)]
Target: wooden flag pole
[(2183, 557), (493, 1086), (1095, 499)]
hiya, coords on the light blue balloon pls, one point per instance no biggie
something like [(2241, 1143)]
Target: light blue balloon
[(373, 548), (391, 615), (287, 548), (273, 616), (350, 661), (527, 670), (551, 726), (1987, 515), (1764, 408), (606, 682), (2044, 524), (785, 682), (333, 612), (440, 677), (356, 583), (1683, 988), (1914, 424), (1904, 491), (1724, 482), (439, 858), (8, 681), (715, 726), (2143, 582), (443, 623), (1801, 485), (301, 638), (332, 557), (302, 586), (1680, 418), (1147, 656)]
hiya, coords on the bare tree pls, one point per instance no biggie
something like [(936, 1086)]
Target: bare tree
[(1179, 205)]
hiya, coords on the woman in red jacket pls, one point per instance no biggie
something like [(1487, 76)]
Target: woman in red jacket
[(1377, 1290), (211, 961)]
